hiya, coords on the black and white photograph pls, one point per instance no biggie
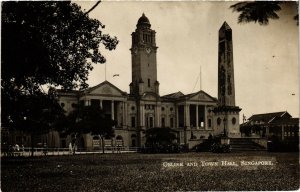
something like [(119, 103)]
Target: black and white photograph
[(149, 96)]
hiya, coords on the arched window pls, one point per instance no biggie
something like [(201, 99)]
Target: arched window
[(233, 121), (219, 121)]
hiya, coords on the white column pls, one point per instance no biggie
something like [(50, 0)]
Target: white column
[(157, 116), (112, 110), (101, 106), (197, 117), (142, 116)]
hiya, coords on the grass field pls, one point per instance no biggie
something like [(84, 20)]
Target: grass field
[(152, 172)]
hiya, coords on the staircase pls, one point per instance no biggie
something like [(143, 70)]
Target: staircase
[(245, 144)]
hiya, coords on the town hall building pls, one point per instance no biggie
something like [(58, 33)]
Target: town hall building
[(192, 116)]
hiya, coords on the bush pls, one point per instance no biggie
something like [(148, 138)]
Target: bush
[(168, 148), (282, 146), (203, 147)]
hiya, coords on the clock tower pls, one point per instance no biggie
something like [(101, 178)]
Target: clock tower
[(143, 56)]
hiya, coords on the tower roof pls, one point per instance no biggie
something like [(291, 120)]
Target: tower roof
[(225, 26), (143, 22)]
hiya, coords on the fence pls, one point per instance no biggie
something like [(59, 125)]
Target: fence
[(26, 151)]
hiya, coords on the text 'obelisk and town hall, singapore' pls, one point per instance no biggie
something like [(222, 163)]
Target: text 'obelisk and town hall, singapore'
[(193, 116)]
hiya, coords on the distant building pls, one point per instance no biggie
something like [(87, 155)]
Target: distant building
[(279, 124)]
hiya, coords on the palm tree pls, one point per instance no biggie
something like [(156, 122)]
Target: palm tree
[(257, 11)]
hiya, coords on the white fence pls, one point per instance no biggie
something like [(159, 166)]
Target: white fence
[(65, 151)]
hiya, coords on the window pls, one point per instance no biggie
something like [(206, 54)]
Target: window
[(171, 109), (201, 124), (163, 122), (62, 105), (148, 82), (162, 108), (132, 121), (132, 108), (209, 122), (219, 121), (171, 122), (147, 122), (151, 122), (133, 143), (233, 121)]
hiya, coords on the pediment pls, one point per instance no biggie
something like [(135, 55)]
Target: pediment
[(105, 88), (201, 96)]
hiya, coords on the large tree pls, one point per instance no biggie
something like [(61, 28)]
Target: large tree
[(260, 11), (35, 115), (50, 43), (89, 119), (45, 43)]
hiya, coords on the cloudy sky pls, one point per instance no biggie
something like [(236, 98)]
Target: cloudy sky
[(265, 57)]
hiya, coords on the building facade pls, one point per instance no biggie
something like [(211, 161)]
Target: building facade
[(278, 124), (193, 116)]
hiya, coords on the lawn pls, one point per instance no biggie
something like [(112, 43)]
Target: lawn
[(152, 172)]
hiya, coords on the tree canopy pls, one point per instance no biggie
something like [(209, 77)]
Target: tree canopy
[(159, 136), (45, 43), (259, 11), (89, 119), (50, 43)]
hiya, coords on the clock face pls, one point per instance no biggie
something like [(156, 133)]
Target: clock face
[(148, 50)]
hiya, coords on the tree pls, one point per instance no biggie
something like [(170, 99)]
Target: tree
[(90, 119), (45, 44), (33, 114), (259, 11), (55, 43), (159, 136)]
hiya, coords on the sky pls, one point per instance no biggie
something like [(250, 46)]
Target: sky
[(265, 57)]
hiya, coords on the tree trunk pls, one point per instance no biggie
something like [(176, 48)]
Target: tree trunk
[(32, 143), (75, 143)]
